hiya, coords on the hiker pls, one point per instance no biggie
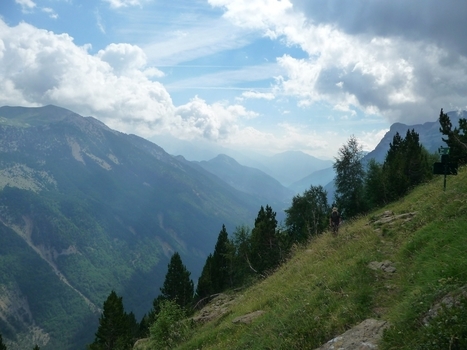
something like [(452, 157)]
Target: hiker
[(335, 221)]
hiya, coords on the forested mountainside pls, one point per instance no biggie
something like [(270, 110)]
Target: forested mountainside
[(85, 210)]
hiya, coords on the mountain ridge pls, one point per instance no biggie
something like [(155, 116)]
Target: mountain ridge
[(93, 210)]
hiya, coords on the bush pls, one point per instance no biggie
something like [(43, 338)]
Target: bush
[(171, 327), (447, 330)]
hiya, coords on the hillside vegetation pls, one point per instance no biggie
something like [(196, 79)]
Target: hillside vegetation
[(327, 286)]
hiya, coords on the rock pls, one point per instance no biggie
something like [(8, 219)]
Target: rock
[(389, 217), (364, 336), (449, 300), (386, 265), (217, 307), (248, 318)]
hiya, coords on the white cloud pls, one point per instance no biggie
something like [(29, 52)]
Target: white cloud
[(38, 67), (26, 5), (370, 139), (402, 77), (218, 121), (199, 40), (52, 14), (123, 3), (258, 95), (99, 22)]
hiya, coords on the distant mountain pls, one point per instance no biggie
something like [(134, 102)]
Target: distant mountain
[(292, 166), (318, 178), (287, 167), (85, 210), (430, 137), (250, 180)]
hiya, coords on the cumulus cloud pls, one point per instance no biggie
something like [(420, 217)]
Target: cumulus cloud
[(213, 122), (38, 67), (400, 60)]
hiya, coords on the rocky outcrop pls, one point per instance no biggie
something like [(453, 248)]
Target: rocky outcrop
[(388, 217), (385, 266), (248, 318), (217, 307), (364, 336)]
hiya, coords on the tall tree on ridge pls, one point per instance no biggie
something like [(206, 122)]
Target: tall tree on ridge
[(349, 179)]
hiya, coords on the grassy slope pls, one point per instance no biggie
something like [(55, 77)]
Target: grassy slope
[(326, 287)]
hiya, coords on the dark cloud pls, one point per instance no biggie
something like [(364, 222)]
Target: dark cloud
[(440, 22)]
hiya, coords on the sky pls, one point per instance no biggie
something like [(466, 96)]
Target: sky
[(263, 76)]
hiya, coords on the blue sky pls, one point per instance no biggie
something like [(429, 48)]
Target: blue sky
[(261, 76)]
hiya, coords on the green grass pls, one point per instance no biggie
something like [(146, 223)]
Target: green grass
[(327, 287)]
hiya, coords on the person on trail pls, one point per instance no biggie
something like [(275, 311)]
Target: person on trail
[(335, 221)]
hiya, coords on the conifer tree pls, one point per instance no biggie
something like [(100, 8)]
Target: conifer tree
[(375, 187), (265, 248), (177, 284), (205, 287), (220, 264), (115, 328), (240, 254), (456, 137), (407, 164)]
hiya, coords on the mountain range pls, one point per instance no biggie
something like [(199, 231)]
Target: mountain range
[(85, 209)]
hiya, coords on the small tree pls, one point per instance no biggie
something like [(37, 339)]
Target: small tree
[(177, 284), (308, 214), (265, 247), (115, 329), (169, 329), (349, 179)]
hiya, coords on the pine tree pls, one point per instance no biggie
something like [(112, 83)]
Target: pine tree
[(407, 164), (240, 255), (115, 328), (456, 137), (220, 264), (375, 187), (177, 284), (265, 247), (205, 287)]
